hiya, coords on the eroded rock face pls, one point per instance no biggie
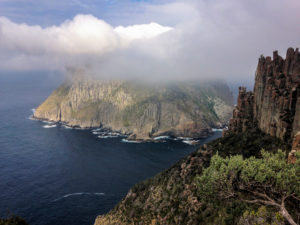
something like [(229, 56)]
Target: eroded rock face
[(243, 112), (295, 148), (274, 105), (138, 109)]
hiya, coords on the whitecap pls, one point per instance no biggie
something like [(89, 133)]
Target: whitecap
[(190, 142), (103, 137), (184, 138), (50, 126), (216, 129), (97, 129), (161, 137), (107, 136), (45, 121), (78, 193), (187, 142), (129, 141)]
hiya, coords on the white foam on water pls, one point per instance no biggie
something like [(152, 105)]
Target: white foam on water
[(97, 129), (216, 129), (78, 193), (187, 142), (49, 126), (107, 136), (190, 142), (33, 111), (161, 137), (103, 137), (45, 121), (129, 141), (184, 138)]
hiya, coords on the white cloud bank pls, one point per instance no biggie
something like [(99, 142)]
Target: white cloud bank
[(85, 34), (215, 39)]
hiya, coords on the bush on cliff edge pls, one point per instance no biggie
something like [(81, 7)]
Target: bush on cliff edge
[(268, 181)]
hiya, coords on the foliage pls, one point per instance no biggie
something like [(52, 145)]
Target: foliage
[(13, 220), (248, 144), (261, 216), (269, 180)]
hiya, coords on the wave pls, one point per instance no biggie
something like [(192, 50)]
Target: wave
[(184, 138), (129, 141), (45, 121), (50, 126), (216, 129), (161, 137), (107, 136), (79, 193), (190, 142), (97, 129)]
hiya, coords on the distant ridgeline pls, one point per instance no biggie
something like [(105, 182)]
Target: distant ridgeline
[(139, 109), (232, 180)]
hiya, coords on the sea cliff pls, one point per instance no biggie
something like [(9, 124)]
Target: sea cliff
[(274, 104), (137, 109)]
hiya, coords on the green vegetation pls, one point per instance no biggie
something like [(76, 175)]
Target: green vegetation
[(248, 144), (268, 181), (13, 220), (179, 196)]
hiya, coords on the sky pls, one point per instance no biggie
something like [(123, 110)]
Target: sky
[(150, 39)]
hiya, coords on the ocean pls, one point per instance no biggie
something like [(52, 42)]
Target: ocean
[(55, 175)]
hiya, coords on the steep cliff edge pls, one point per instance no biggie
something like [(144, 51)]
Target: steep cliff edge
[(141, 110), (274, 104)]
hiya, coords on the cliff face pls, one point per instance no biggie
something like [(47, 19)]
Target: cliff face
[(274, 105), (139, 109)]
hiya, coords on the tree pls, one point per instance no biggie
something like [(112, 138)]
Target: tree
[(269, 181), (13, 220)]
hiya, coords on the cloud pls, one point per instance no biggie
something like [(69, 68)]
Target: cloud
[(171, 40), (85, 34)]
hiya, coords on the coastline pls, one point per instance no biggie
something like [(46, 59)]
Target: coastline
[(106, 132)]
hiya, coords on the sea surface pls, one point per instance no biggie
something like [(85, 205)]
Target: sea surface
[(54, 175)]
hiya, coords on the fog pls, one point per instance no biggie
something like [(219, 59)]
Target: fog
[(180, 40)]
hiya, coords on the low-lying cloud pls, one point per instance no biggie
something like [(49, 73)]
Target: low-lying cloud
[(199, 39)]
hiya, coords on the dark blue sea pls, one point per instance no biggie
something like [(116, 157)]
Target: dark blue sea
[(66, 176)]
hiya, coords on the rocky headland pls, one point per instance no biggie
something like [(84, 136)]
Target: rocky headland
[(137, 109), (267, 118), (274, 104)]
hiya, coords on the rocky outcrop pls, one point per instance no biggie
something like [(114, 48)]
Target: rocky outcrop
[(243, 112), (295, 149), (274, 104), (138, 109)]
